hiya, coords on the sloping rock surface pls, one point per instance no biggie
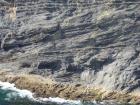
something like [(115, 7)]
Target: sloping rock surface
[(79, 41)]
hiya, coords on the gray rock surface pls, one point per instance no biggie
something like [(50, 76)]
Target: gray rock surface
[(83, 41)]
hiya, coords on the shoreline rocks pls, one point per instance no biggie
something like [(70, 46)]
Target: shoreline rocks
[(45, 87), (73, 42)]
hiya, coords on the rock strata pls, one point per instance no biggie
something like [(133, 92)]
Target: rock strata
[(73, 41)]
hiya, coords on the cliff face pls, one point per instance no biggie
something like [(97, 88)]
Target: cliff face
[(89, 42)]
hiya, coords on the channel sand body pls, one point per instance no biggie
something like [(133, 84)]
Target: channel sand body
[(45, 87)]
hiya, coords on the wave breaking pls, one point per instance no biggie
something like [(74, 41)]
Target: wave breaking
[(13, 92)]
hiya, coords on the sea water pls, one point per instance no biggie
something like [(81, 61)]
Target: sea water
[(10, 95)]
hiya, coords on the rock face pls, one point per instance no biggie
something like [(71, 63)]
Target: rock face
[(79, 41)]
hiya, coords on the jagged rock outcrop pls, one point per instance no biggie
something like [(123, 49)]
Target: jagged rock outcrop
[(79, 41)]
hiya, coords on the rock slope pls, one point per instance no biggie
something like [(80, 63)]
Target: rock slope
[(74, 41)]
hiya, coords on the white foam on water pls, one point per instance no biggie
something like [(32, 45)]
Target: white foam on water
[(15, 91), (59, 100)]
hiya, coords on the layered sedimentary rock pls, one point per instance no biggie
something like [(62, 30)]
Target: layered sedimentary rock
[(74, 41)]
